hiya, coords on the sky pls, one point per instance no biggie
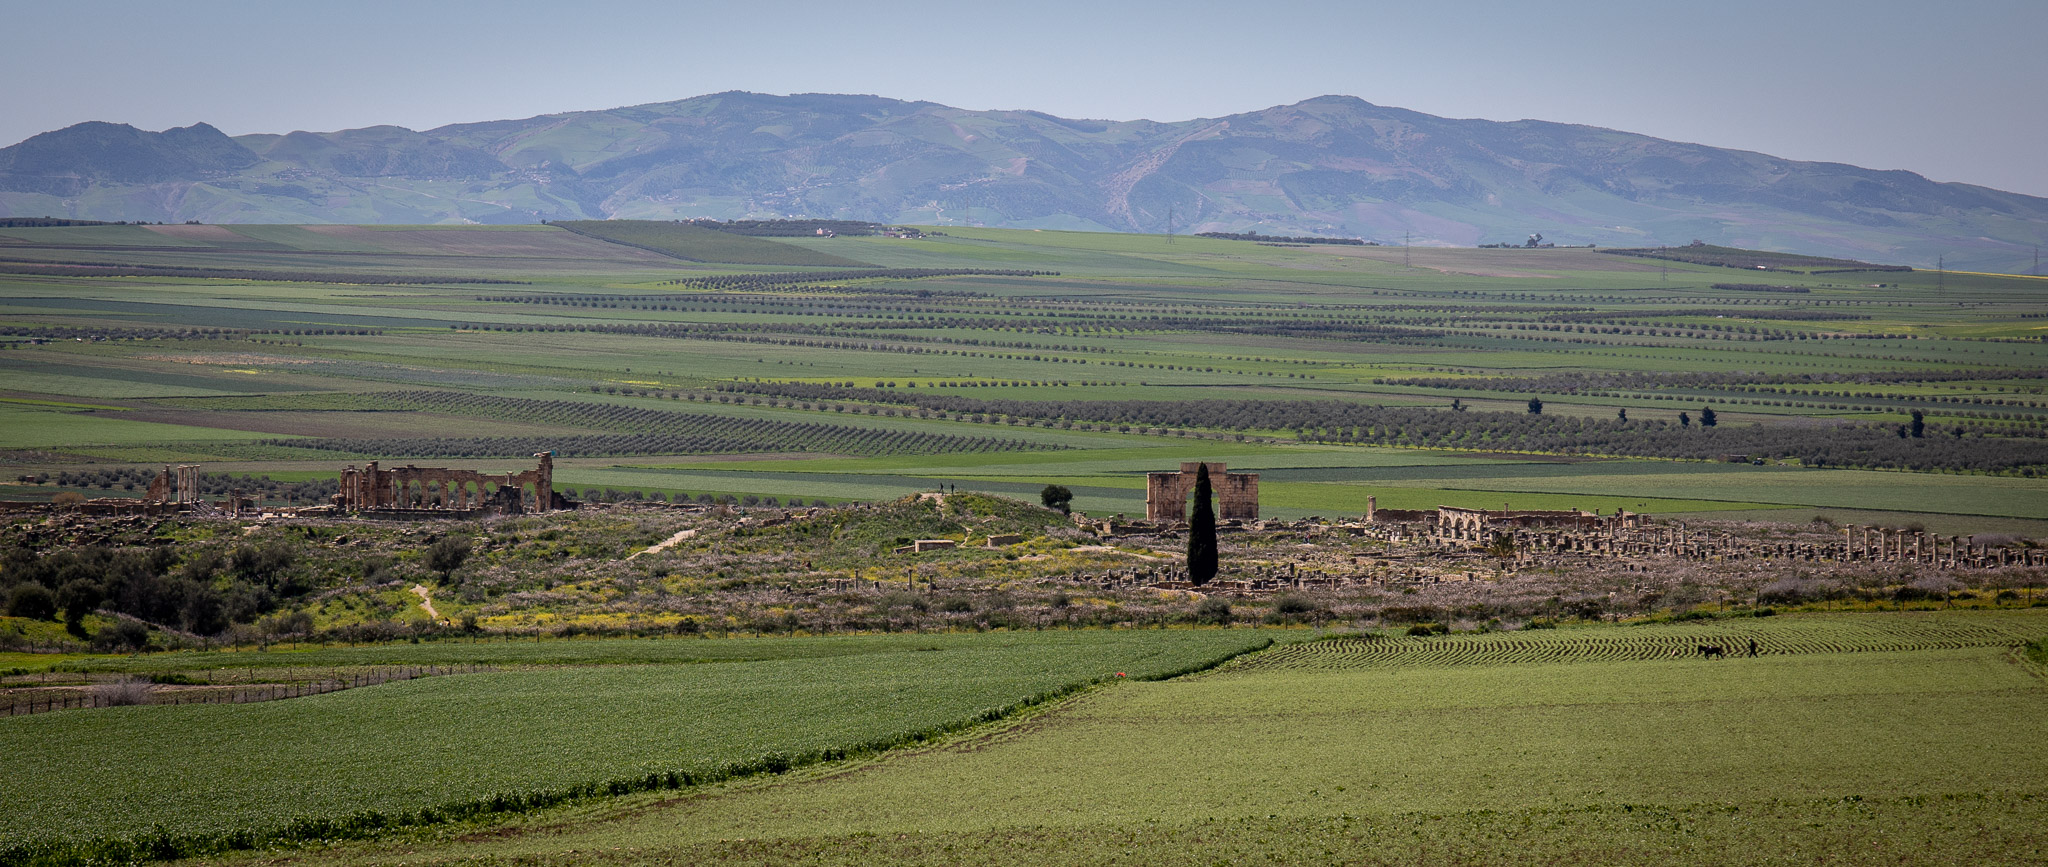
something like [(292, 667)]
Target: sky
[(1953, 91)]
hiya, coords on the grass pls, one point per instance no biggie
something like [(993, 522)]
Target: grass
[(1839, 745), (31, 428), (696, 244), (126, 773)]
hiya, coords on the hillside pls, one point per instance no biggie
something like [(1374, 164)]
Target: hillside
[(1329, 166)]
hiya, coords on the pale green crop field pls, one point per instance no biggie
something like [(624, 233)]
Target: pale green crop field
[(1888, 738), (438, 741), (34, 428)]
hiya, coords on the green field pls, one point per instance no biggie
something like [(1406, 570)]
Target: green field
[(1080, 359), (667, 361), (1893, 739), (697, 244), (656, 708)]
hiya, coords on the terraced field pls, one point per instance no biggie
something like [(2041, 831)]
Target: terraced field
[(1775, 636)]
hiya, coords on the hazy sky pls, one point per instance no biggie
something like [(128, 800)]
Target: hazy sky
[(1954, 90)]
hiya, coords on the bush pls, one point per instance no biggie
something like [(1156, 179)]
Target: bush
[(1288, 603), (1214, 610), (447, 554), (124, 692), (33, 601), (125, 635)]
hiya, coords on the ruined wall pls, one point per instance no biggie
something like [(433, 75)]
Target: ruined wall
[(440, 489), (175, 485), (1166, 494), (1237, 496)]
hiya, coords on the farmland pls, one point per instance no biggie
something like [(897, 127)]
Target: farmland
[(1899, 738), (691, 365), (1336, 358), (622, 714), (764, 431)]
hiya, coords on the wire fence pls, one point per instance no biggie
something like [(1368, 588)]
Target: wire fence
[(224, 686)]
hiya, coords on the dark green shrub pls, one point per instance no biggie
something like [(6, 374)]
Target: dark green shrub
[(1290, 605), (33, 601), (124, 635), (447, 554)]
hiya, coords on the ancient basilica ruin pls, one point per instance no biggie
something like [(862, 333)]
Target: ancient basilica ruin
[(438, 491)]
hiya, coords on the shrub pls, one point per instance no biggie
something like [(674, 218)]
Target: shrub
[(1215, 610), (128, 635), (1290, 605), (33, 601), (124, 692), (447, 554)]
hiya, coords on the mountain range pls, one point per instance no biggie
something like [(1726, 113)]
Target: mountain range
[(1333, 165)]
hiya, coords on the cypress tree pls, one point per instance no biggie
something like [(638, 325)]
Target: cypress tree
[(1202, 532)]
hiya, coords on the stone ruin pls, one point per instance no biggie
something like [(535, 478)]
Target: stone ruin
[(1449, 544), (1166, 494), (1480, 525), (174, 491), (442, 492), (1466, 525), (179, 485)]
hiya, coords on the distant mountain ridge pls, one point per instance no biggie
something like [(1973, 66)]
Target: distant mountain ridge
[(1332, 166)]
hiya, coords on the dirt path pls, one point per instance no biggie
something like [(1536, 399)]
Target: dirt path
[(665, 544), (426, 602)]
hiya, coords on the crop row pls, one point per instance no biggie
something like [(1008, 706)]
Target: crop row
[(113, 786), (1573, 383), (1850, 445), (828, 439), (115, 332), (39, 267), (798, 278), (1732, 257), (642, 431), (1773, 636)]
